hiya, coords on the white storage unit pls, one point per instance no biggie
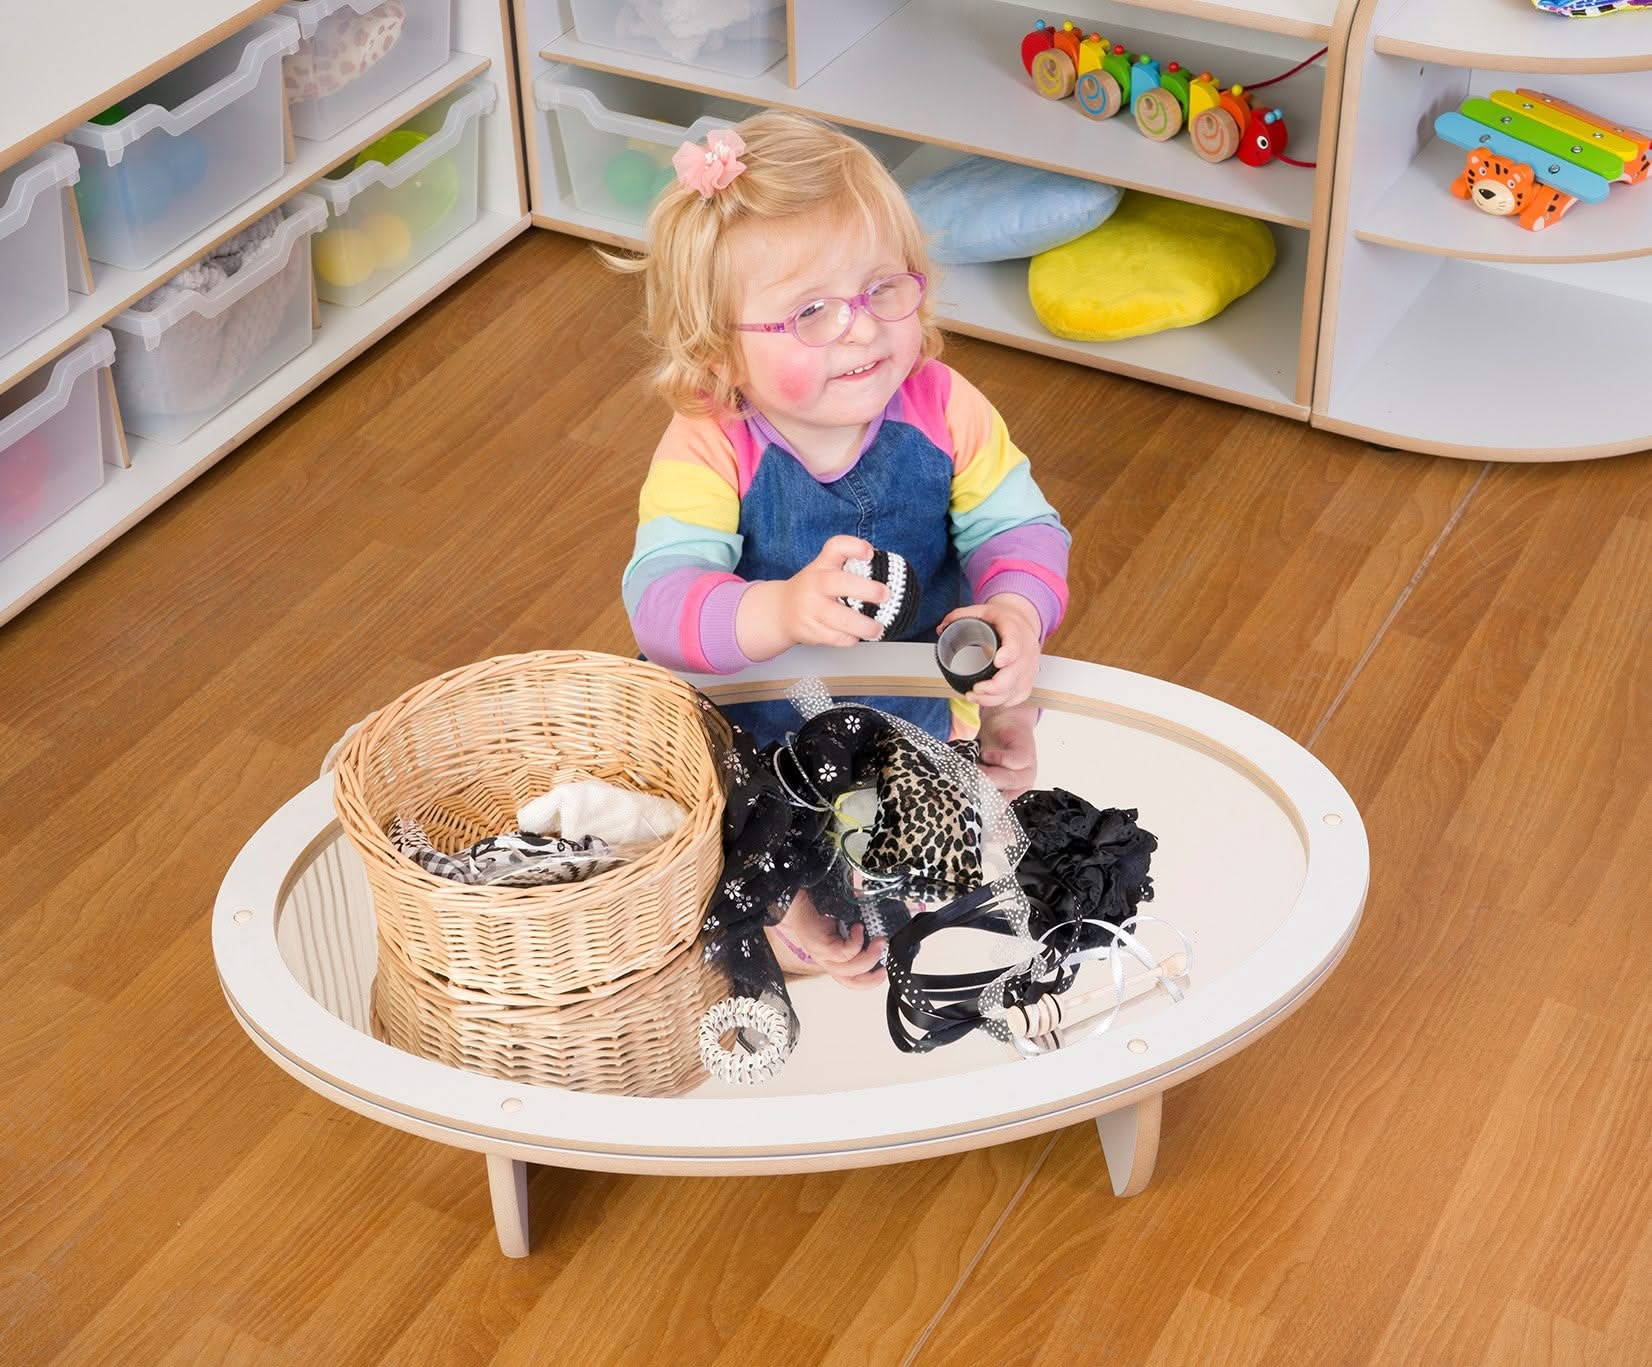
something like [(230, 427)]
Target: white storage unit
[(86, 57), (353, 55), (180, 364), (947, 76), (193, 145), (616, 135), (1460, 333), (51, 441), (386, 217), (738, 37), (34, 267)]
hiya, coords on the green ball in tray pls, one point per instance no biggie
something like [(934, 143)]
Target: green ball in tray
[(427, 198)]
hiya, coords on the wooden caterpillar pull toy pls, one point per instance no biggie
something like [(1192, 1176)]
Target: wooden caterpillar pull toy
[(1103, 79), (1532, 157)]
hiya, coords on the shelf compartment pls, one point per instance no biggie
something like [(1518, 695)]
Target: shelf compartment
[(34, 243), (1512, 35), (326, 92), (52, 447), (160, 469), (1418, 213), (747, 47), (1247, 354), (1315, 19), (948, 72), (182, 362), (1508, 363), (386, 217), (198, 142), (615, 136), (118, 289)]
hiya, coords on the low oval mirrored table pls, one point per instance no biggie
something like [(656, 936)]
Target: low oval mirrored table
[(1262, 865)]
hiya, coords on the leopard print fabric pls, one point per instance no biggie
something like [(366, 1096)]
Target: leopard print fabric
[(925, 828)]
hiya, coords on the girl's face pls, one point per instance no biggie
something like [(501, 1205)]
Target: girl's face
[(807, 389)]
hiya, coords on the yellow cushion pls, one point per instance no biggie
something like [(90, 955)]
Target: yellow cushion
[(1155, 264)]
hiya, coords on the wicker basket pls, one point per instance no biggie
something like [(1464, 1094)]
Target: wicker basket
[(460, 754)]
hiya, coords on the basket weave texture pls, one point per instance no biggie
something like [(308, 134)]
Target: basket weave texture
[(596, 985)]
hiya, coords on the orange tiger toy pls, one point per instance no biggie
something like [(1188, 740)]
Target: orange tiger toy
[(1507, 188)]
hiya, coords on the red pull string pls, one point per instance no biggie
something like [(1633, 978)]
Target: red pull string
[(1292, 161), (1298, 67)]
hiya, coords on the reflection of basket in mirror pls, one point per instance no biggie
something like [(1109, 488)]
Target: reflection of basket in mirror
[(595, 984), (638, 1039)]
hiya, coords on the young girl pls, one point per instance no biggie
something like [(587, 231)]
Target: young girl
[(791, 296)]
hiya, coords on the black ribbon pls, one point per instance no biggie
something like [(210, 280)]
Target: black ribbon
[(1083, 866)]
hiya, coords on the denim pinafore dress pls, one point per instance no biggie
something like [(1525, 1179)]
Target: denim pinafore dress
[(896, 496)]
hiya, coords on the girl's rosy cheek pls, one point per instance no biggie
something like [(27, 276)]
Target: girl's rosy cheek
[(797, 381)]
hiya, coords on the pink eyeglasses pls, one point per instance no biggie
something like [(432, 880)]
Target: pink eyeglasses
[(821, 322)]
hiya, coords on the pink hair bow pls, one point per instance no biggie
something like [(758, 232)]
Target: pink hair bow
[(710, 168)]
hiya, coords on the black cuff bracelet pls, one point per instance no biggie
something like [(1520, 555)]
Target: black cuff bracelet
[(971, 639)]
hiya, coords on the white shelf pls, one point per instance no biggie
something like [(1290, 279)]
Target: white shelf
[(67, 62), (1420, 214), (949, 72), (1496, 364), (117, 288), (1511, 35), (1295, 18), (1247, 354), (160, 469)]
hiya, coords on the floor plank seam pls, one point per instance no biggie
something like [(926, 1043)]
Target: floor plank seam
[(1398, 605), (981, 1252)]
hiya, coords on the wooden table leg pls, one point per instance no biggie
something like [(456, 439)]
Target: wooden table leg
[(508, 1185), (1130, 1141)]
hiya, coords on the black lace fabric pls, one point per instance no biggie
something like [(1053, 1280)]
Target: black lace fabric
[(782, 833), (1068, 868), (777, 841)]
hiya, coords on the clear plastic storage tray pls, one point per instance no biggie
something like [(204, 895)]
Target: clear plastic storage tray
[(183, 362), (388, 215), (34, 266), (191, 146), (740, 37), (51, 440), (355, 54), (617, 163)]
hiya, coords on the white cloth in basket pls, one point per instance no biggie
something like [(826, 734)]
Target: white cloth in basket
[(592, 807)]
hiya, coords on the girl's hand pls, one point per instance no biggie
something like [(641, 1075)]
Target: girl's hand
[(1009, 752), (1019, 648), (853, 962), (806, 610)]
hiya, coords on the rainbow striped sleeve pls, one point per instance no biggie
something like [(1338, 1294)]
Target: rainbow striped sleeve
[(680, 588), (1008, 536)]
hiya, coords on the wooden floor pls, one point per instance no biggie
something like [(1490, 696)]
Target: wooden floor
[(1442, 1159)]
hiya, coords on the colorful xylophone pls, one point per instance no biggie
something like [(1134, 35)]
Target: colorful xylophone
[(1531, 157), (1104, 79)]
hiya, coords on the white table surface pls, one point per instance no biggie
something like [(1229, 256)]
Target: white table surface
[(1269, 891)]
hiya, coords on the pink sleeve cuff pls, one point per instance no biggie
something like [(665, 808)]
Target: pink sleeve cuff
[(708, 624), (1045, 591)]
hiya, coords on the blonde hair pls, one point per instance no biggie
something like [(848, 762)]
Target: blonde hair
[(795, 166)]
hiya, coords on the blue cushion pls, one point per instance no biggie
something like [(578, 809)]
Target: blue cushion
[(979, 209)]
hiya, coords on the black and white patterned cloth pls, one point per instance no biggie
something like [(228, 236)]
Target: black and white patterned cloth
[(513, 860)]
